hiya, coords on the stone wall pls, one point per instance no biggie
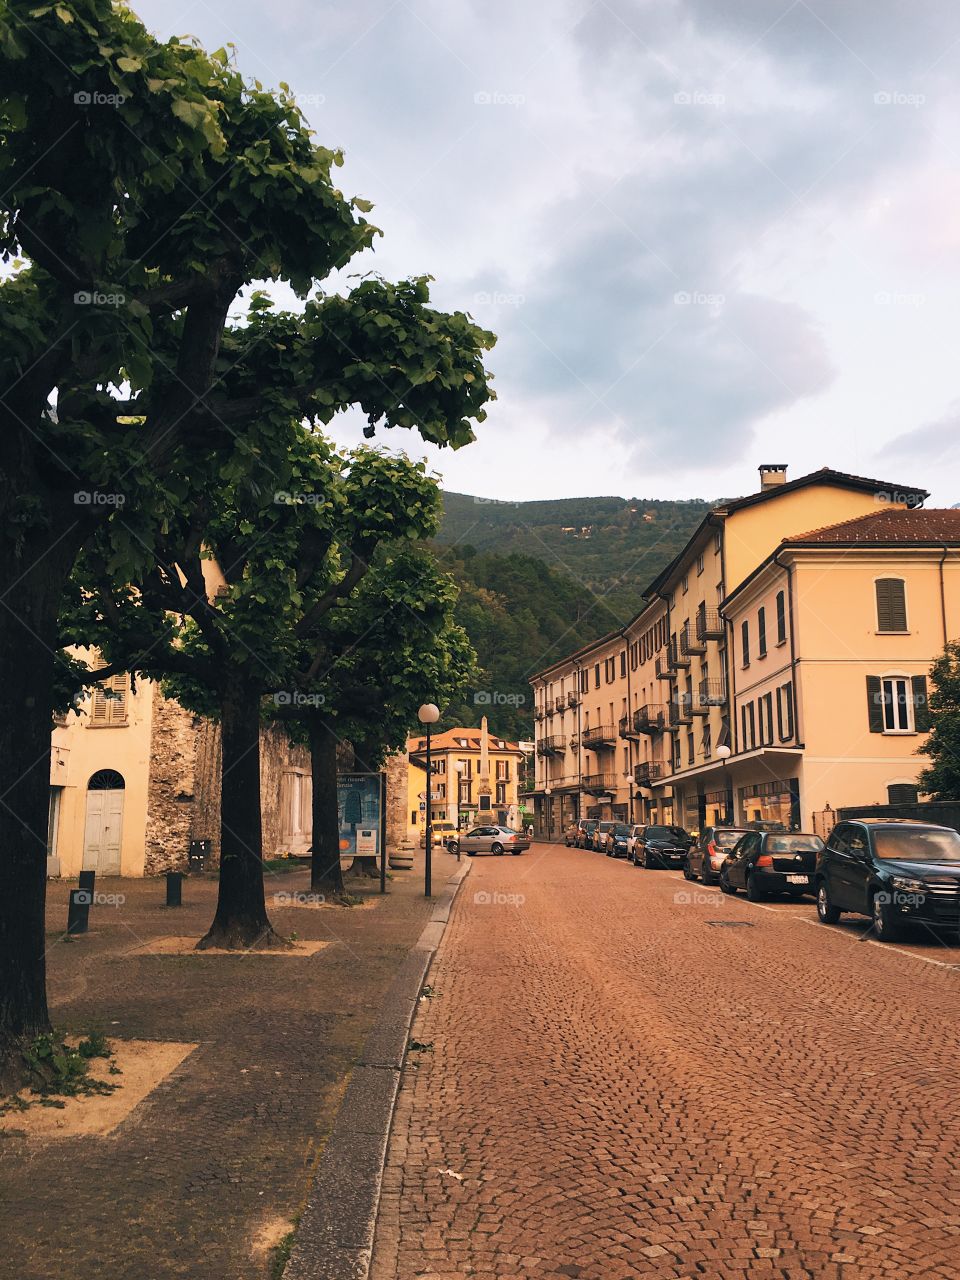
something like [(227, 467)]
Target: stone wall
[(172, 785), (398, 820)]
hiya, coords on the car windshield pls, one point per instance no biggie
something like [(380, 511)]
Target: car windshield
[(621, 829), (917, 844), (794, 844), (666, 833), (727, 839)]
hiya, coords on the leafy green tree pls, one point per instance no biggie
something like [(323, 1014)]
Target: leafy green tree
[(942, 778)]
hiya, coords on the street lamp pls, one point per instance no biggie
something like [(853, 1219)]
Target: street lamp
[(428, 715), (628, 778), (548, 792), (723, 754), (459, 766)]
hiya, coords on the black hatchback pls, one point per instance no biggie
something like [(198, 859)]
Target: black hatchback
[(657, 846), (894, 871), (766, 862)]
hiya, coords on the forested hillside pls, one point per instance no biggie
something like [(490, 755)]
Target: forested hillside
[(539, 579)]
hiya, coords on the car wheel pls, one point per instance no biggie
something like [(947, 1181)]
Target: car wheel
[(516, 852), (453, 846), (886, 926), (754, 892), (725, 885), (647, 861), (705, 876), (496, 848), (827, 913), (687, 873)]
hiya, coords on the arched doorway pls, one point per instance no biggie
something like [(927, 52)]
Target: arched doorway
[(104, 823)]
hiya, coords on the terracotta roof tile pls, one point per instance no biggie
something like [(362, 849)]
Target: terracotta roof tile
[(891, 525)]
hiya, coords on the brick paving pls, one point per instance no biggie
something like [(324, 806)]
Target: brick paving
[(225, 1146), (624, 1089)]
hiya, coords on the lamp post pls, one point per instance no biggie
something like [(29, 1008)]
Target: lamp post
[(459, 766), (723, 755), (628, 778), (548, 792), (428, 715)]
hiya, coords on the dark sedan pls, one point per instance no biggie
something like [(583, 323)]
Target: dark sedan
[(665, 847), (618, 841), (768, 862), (896, 872), (706, 856)]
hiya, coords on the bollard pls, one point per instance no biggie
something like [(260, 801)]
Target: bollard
[(78, 912), (88, 880), (174, 888)]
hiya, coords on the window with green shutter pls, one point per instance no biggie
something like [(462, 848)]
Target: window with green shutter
[(891, 604)]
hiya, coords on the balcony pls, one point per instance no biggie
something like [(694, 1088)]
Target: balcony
[(599, 737), (627, 729), (650, 719), (662, 668), (560, 703), (709, 624), (597, 784), (538, 713), (712, 693), (690, 643), (680, 713), (573, 698), (648, 771), (676, 658), (553, 745)]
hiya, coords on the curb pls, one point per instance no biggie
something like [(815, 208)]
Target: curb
[(334, 1240)]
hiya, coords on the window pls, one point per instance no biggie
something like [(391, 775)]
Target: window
[(902, 793), (109, 709), (761, 633), (891, 604), (623, 663), (745, 642), (765, 708), (464, 793), (584, 681), (685, 583), (439, 766), (700, 563), (676, 752), (691, 751), (748, 726), (707, 742), (503, 770), (501, 793), (785, 712), (718, 543), (596, 676), (781, 618), (897, 704)]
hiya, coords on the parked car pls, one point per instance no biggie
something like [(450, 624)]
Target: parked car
[(894, 870), (585, 829), (661, 846), (575, 832), (706, 856), (632, 839), (600, 835), (443, 833), (490, 840), (767, 862), (617, 840)]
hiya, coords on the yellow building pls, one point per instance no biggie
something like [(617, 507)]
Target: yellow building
[(476, 779), (653, 722)]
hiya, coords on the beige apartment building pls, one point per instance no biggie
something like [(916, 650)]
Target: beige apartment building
[(778, 667), (476, 777)]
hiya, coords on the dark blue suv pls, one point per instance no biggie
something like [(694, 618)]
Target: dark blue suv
[(894, 871)]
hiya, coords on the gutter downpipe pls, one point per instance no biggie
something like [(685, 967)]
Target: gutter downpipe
[(943, 596)]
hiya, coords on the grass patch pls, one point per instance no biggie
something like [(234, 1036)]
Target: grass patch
[(51, 1070), (280, 1254)]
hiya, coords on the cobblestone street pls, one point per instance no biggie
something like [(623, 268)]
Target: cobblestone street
[(621, 1084)]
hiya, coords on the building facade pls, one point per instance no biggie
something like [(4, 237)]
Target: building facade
[(476, 777), (718, 700)]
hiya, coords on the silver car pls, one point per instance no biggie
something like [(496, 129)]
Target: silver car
[(489, 840)]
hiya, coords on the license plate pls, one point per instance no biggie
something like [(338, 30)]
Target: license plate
[(798, 879)]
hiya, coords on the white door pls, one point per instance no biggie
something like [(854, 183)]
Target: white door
[(101, 837)]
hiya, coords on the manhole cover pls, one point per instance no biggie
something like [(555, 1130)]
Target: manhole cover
[(730, 924)]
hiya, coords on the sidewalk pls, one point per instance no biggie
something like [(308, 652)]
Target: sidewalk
[(210, 1171)]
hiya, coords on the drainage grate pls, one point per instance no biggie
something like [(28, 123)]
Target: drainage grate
[(730, 924)]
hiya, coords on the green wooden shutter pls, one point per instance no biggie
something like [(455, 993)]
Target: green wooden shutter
[(891, 605), (875, 704), (921, 709)]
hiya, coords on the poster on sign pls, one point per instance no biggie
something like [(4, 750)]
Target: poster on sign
[(360, 814)]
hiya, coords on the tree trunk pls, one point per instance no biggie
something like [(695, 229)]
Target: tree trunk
[(31, 585), (241, 922), (325, 874)]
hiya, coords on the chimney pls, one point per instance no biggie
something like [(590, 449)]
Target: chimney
[(772, 475)]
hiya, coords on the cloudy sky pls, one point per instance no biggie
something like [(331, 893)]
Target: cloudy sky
[(709, 233)]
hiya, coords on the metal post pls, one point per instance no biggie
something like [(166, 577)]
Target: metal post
[(88, 880), (428, 861), (383, 831), (174, 888), (78, 910)]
